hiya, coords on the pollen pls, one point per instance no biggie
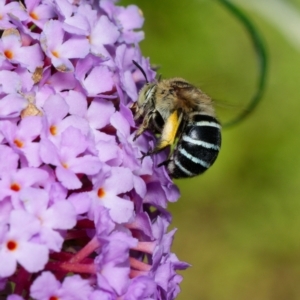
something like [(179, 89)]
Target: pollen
[(15, 187), (55, 53), (30, 110), (8, 54), (18, 143), (37, 75), (53, 130), (11, 245), (101, 193), (33, 15)]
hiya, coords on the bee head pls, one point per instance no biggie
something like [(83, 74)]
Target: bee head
[(146, 95)]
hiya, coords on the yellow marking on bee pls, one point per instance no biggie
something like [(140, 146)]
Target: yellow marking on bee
[(169, 131)]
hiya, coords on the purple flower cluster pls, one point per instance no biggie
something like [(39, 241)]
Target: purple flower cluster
[(81, 215)]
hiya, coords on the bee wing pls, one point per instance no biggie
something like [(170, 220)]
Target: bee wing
[(192, 99)]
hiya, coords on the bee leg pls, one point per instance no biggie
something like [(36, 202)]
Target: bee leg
[(169, 132), (138, 113), (139, 131), (143, 127), (164, 163), (143, 156)]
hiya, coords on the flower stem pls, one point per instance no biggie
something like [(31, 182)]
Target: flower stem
[(75, 234), (146, 247), (71, 267), (85, 223), (135, 273), (89, 248), (138, 265), (21, 281)]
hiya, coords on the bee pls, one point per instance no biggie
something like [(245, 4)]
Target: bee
[(179, 111)]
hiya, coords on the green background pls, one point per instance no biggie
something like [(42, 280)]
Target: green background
[(238, 224)]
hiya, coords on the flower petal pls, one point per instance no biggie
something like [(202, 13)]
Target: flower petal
[(74, 48), (9, 160), (30, 57), (33, 257), (10, 265), (99, 113), (87, 164), (44, 286), (95, 86), (77, 103), (61, 215), (120, 181), (120, 210), (104, 32), (67, 178)]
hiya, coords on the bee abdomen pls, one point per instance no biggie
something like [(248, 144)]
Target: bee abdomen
[(197, 148)]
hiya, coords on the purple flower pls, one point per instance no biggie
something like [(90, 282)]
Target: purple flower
[(39, 13), (141, 287), (68, 157), (127, 19), (12, 50), (8, 9), (15, 180), (113, 263), (107, 189), (81, 215), (46, 286), (21, 138), (16, 245), (59, 49), (59, 215)]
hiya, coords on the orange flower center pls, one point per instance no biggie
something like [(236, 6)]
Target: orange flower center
[(18, 143), (11, 245), (15, 187), (53, 130), (33, 15), (65, 165), (8, 54), (53, 298), (101, 193), (55, 53)]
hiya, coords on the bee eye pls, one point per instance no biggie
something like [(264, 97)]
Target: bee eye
[(158, 122)]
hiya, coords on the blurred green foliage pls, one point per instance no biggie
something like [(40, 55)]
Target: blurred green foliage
[(239, 223)]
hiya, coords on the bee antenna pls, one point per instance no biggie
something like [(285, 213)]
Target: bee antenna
[(141, 69)]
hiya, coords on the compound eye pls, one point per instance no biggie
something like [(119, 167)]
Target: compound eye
[(158, 122)]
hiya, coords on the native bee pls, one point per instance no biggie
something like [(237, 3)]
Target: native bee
[(177, 110)]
